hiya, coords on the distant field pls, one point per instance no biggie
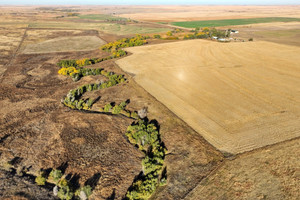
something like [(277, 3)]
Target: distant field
[(232, 22), (111, 28), (239, 96), (65, 44), (100, 17)]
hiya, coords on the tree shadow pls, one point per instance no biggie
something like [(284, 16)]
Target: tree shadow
[(74, 180), (16, 160), (164, 174), (155, 122), (112, 196), (63, 167), (93, 181), (96, 100)]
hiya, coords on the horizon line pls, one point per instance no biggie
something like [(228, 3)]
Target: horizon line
[(149, 4)]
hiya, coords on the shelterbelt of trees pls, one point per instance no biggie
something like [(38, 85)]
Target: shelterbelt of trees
[(143, 133)]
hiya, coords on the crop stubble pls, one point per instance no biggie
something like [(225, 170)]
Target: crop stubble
[(238, 96)]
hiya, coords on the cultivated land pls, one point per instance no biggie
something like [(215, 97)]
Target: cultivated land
[(238, 96), (245, 93), (233, 22)]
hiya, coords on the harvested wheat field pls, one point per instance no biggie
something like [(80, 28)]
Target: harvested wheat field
[(238, 96)]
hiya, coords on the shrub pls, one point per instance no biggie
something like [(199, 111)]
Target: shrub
[(163, 181), (134, 115), (157, 36), (107, 107), (169, 33), (178, 30), (205, 30), (68, 71), (67, 63), (40, 179), (201, 35), (138, 40), (56, 175), (250, 39), (75, 77), (65, 193), (146, 137), (84, 192), (189, 36), (89, 103), (125, 113), (116, 109), (119, 53)]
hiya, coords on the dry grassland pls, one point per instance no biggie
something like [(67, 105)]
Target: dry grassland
[(65, 44), (265, 174), (9, 43), (238, 96)]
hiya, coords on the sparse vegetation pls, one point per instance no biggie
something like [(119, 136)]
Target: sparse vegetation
[(206, 33), (169, 33), (146, 137), (72, 100), (55, 175), (144, 134), (41, 179), (138, 40)]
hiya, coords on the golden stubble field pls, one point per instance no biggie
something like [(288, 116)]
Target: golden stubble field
[(238, 96)]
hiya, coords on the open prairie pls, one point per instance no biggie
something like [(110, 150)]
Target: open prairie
[(238, 96)]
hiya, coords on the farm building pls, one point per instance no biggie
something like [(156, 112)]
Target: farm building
[(223, 40)]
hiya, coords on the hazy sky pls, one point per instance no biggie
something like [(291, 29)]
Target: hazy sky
[(145, 2)]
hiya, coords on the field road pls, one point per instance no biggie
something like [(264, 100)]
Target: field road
[(238, 96)]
